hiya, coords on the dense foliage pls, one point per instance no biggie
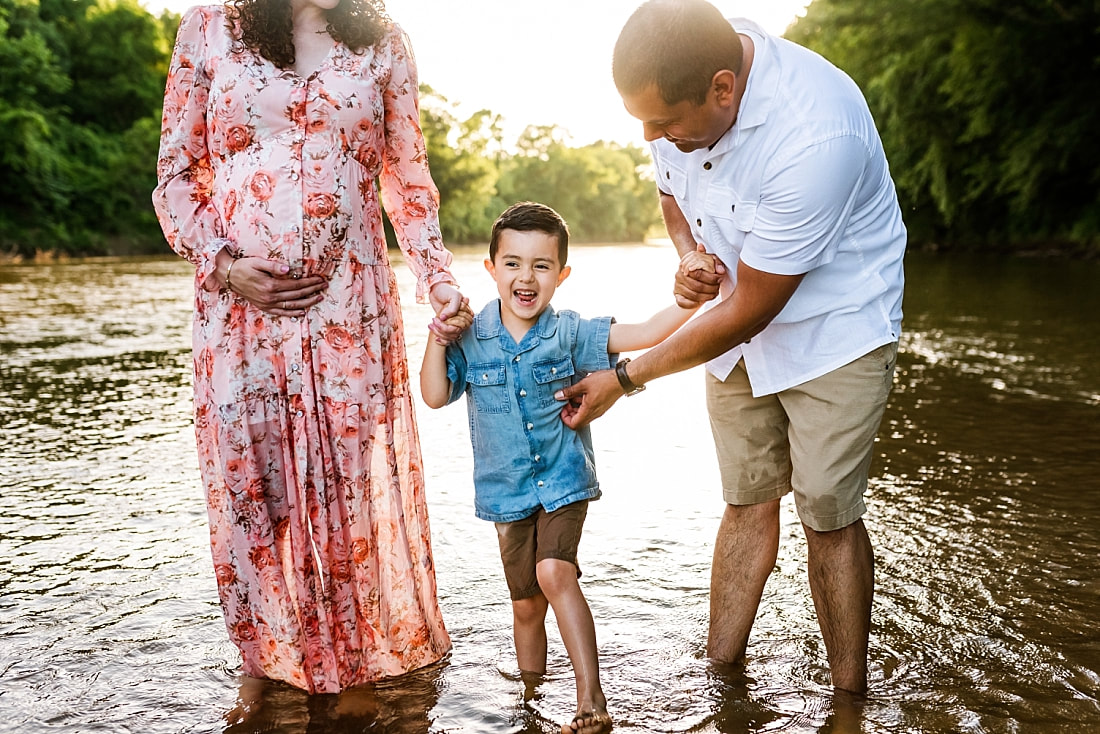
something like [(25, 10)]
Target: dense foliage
[(80, 99), (989, 112)]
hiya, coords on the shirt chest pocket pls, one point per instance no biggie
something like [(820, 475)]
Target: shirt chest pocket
[(488, 383), (733, 218), (552, 375)]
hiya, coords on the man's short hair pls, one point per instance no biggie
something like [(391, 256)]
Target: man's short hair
[(679, 45), (527, 216)]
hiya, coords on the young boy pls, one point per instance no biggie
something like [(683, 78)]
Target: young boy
[(534, 476)]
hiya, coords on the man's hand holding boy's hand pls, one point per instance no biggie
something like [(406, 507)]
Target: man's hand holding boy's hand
[(697, 278)]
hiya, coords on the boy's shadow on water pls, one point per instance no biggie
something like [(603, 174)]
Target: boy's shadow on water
[(394, 706), (738, 708)]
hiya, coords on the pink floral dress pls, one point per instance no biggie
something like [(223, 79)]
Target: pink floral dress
[(307, 440)]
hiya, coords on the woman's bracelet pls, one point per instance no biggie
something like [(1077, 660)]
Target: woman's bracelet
[(228, 273)]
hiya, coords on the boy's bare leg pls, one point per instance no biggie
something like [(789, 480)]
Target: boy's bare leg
[(744, 556), (842, 583), (529, 631), (558, 580)]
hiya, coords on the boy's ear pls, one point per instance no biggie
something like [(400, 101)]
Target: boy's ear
[(490, 267), (564, 274)]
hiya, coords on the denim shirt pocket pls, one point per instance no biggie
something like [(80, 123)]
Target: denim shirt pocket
[(552, 375), (488, 382)]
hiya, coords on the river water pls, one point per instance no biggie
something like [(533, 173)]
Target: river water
[(984, 510)]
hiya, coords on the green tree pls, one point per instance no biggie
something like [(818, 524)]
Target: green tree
[(597, 188), (464, 157), (987, 110), (80, 106)]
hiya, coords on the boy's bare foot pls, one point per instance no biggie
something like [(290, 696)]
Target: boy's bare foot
[(588, 722)]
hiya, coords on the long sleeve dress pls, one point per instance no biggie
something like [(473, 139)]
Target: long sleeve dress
[(307, 441)]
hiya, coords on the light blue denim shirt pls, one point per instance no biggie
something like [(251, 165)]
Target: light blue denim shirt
[(524, 456)]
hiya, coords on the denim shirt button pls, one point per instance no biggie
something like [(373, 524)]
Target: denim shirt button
[(523, 393), (537, 458), (541, 483), (530, 426)]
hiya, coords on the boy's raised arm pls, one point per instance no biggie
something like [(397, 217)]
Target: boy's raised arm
[(435, 387), (649, 333)]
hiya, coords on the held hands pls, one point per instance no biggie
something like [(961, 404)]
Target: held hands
[(269, 285), (453, 313), (697, 278)]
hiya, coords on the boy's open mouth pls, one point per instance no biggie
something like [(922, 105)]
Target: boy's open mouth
[(525, 297)]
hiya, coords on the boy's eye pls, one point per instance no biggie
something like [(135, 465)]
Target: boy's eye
[(542, 267)]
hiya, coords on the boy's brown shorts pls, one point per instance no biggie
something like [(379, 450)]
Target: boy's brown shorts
[(525, 542), (816, 439)]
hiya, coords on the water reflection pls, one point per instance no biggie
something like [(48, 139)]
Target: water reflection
[(984, 515), (396, 707)]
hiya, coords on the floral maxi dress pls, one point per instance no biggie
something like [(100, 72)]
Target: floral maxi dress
[(307, 441)]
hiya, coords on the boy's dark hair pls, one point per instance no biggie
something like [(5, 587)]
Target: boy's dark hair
[(679, 45), (527, 216)]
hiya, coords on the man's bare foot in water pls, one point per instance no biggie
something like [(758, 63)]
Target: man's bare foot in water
[(588, 722)]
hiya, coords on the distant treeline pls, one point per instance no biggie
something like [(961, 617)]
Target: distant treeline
[(988, 109)]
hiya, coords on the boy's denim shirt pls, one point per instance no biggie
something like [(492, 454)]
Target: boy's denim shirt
[(524, 456)]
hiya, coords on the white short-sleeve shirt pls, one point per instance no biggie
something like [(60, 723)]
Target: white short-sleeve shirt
[(799, 184)]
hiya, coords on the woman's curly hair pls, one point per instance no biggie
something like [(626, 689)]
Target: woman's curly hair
[(267, 26)]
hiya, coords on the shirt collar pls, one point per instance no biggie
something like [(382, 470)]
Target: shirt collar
[(487, 324), (760, 92)]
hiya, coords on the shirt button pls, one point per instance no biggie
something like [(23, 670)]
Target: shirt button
[(294, 368), (537, 457), (299, 414), (294, 319), (553, 370), (530, 426), (699, 222), (485, 377), (294, 177), (523, 393), (668, 174), (706, 166), (517, 357), (541, 483)]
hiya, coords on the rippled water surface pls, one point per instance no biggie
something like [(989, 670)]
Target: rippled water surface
[(984, 513)]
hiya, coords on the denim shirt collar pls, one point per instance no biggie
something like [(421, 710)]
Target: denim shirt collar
[(487, 325)]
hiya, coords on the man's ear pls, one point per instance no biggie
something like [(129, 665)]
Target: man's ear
[(564, 274), (724, 84)]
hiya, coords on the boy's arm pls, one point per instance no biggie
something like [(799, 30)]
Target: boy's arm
[(649, 333), (435, 386)]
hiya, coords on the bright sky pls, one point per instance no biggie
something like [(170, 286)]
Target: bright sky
[(534, 63)]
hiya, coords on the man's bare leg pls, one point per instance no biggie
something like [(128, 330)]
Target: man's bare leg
[(842, 583), (558, 580), (744, 556)]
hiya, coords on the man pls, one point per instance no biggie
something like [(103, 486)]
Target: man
[(766, 156)]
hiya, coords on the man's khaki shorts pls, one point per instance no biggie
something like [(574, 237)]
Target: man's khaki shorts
[(816, 439)]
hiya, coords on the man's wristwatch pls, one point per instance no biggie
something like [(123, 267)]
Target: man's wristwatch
[(624, 379)]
